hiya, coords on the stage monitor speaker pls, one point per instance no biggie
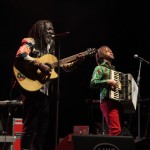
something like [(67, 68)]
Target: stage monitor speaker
[(102, 142)]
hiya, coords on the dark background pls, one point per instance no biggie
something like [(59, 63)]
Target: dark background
[(122, 25)]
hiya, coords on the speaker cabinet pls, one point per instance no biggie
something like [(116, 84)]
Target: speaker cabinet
[(102, 142)]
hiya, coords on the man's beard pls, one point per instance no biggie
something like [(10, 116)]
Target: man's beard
[(49, 40)]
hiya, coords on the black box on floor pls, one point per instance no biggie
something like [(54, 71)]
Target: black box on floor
[(103, 142)]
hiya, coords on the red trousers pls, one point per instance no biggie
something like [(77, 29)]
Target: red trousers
[(111, 112)]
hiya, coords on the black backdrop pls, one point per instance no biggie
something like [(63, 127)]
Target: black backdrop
[(124, 26)]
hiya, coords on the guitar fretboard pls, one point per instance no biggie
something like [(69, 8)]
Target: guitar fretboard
[(72, 58)]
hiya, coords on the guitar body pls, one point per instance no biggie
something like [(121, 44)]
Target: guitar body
[(33, 80), (49, 59)]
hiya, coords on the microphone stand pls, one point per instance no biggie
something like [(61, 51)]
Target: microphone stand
[(58, 96), (58, 37), (138, 99), (103, 125)]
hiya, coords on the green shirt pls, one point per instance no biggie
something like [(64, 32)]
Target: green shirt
[(99, 77)]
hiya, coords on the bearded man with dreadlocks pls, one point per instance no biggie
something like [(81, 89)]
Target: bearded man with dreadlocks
[(111, 109), (39, 42)]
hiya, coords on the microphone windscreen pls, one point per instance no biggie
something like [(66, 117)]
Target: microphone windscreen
[(136, 56)]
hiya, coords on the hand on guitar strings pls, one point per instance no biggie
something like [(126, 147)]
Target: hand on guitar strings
[(44, 68)]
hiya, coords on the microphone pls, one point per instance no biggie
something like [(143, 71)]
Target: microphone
[(141, 59), (61, 35)]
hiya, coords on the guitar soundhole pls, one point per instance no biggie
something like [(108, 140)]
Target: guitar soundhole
[(21, 76)]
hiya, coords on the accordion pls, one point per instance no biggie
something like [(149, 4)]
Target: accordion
[(126, 91)]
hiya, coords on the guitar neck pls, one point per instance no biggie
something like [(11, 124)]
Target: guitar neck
[(71, 58), (68, 59), (88, 52)]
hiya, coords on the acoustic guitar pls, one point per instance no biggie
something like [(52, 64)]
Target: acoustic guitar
[(32, 79)]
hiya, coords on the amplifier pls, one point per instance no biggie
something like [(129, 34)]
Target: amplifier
[(17, 130)]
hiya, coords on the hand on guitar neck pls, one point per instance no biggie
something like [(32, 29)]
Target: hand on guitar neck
[(79, 59), (71, 65)]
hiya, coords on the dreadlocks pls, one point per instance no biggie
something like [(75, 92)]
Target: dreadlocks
[(39, 33)]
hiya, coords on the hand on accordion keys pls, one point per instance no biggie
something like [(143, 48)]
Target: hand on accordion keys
[(113, 84)]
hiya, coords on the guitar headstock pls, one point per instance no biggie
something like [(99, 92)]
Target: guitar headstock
[(91, 51)]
